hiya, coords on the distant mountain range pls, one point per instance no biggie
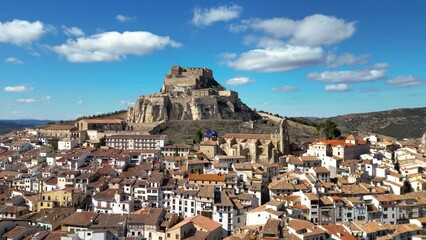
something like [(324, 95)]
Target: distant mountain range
[(12, 125), (398, 123)]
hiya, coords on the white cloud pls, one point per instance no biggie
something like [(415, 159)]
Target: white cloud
[(278, 27), (206, 17), (73, 31), (380, 65), (26, 100), (227, 55), (112, 46), (126, 103), (21, 32), (337, 87), (124, 18), (20, 88), (363, 75), (20, 114), (319, 29), (33, 100), (346, 59), (35, 54), (278, 59), (13, 60), (314, 30), (79, 102), (285, 89), (46, 98), (239, 81), (406, 81)]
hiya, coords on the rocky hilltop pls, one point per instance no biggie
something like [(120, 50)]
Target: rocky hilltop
[(190, 94)]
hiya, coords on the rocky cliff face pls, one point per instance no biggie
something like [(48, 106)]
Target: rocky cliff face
[(190, 94)]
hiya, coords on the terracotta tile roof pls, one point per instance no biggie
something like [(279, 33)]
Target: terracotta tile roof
[(301, 207), (55, 235), (60, 127), (243, 166), (14, 232), (206, 192), (298, 225), (368, 227), (309, 158), (177, 146), (295, 161), (80, 219), (104, 221), (351, 137), (207, 177), (107, 195), (339, 231), (146, 216), (312, 196), (230, 157), (321, 170), (281, 185), (272, 226), (199, 221)]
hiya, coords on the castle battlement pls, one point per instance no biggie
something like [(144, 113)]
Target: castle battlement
[(178, 74)]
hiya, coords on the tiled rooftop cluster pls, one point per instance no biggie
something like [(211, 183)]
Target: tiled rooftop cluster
[(140, 186)]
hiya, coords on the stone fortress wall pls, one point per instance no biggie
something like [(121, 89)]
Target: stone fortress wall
[(179, 76)]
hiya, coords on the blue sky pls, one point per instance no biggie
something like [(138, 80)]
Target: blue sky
[(64, 59)]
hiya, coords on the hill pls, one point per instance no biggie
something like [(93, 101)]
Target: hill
[(190, 94), (398, 123), (12, 125), (186, 131)]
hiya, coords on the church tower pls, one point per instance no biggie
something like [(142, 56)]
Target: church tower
[(284, 137)]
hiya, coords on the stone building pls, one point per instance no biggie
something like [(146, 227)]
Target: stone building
[(59, 131), (257, 147), (105, 124), (182, 81)]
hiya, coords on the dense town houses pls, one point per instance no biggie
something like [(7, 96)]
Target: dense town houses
[(239, 186)]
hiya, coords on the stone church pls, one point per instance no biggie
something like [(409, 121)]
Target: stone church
[(260, 148)]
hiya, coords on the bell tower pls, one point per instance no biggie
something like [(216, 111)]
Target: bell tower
[(284, 137)]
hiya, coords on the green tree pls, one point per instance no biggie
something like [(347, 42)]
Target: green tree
[(199, 135), (329, 130), (102, 141), (397, 167), (53, 144), (407, 188)]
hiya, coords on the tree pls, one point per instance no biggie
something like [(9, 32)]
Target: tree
[(199, 135), (329, 130), (407, 188), (53, 144), (102, 141), (397, 167)]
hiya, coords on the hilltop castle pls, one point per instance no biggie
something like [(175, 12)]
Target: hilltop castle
[(190, 94)]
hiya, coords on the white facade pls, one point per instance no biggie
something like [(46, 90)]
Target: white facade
[(134, 142), (67, 144)]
